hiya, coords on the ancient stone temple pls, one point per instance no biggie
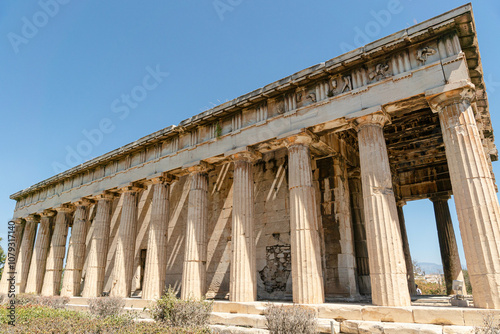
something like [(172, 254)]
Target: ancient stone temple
[(293, 191)]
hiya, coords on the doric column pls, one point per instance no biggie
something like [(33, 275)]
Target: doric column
[(98, 249), (406, 249), (307, 274), (243, 279), (448, 244), (195, 256), (473, 189), (13, 243), (39, 258), (385, 247), (25, 253), (76, 250), (346, 260), (53, 270), (123, 269), (358, 223), (156, 255)]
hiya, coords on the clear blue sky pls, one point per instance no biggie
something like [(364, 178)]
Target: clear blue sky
[(76, 69)]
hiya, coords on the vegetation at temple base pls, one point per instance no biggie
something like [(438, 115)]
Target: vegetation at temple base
[(177, 312), (48, 315), (491, 325), (290, 319)]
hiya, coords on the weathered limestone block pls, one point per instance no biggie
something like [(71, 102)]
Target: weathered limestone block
[(448, 245), (307, 274), (25, 252), (195, 256), (438, 316), (156, 257), (76, 250), (94, 277), (473, 189), (55, 258), (14, 242), (385, 247), (39, 258), (412, 288), (243, 283), (123, 269)]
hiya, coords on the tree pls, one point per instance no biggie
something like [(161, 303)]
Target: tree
[(417, 270), (468, 286), (2, 259)]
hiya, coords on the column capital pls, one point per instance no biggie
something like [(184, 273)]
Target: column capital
[(302, 139), (456, 92), (32, 218), (65, 208), (18, 221), (354, 173), (108, 195), (132, 188), (84, 202), (163, 178), (401, 202), (440, 197), (379, 118), (47, 213), (201, 167), (248, 155)]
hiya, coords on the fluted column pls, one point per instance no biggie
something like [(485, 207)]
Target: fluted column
[(98, 249), (243, 279), (25, 253), (385, 247), (307, 274), (13, 243), (346, 260), (123, 269), (76, 250), (39, 258), (195, 256), (448, 244), (473, 190), (156, 255), (358, 222), (53, 270), (406, 249)]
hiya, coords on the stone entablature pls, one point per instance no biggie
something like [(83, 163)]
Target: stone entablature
[(324, 97)]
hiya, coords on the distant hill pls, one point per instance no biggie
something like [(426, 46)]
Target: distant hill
[(431, 268)]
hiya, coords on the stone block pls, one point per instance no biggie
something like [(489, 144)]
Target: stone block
[(230, 307), (438, 316), (458, 330), (349, 327), (475, 317), (249, 320), (370, 327), (340, 313), (387, 314), (325, 326), (401, 328)]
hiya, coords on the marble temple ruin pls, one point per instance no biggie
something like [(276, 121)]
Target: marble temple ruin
[(293, 191)]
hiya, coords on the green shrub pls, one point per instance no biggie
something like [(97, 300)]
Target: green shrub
[(106, 306), (176, 312), (45, 320), (290, 319)]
